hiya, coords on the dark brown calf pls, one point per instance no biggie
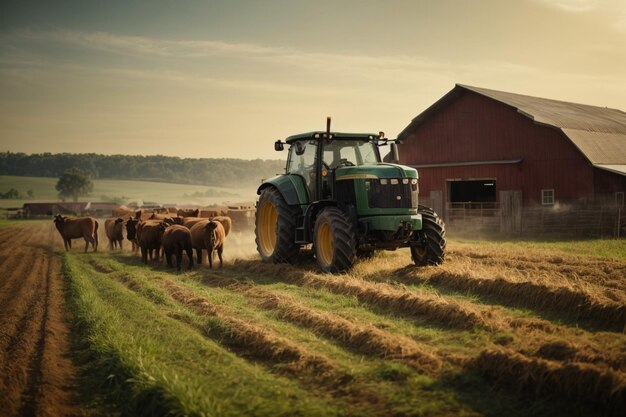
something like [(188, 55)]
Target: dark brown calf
[(214, 237), (175, 240), (149, 238), (131, 233)]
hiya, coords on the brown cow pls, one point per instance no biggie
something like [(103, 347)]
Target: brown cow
[(159, 216), (188, 213), (175, 240), (143, 215), (226, 222), (188, 222), (173, 220), (113, 229), (131, 233), (149, 239), (85, 227), (208, 235)]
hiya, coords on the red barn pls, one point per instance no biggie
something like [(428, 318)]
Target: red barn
[(484, 148)]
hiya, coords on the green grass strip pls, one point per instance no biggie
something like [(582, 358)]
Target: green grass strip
[(154, 365)]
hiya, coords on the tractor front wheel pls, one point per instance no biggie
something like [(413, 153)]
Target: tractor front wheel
[(334, 241), (275, 227), (430, 242)]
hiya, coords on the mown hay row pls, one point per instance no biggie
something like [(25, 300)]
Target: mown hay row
[(538, 377), (257, 342), (574, 304), (384, 296), (598, 272), (366, 339), (574, 351)]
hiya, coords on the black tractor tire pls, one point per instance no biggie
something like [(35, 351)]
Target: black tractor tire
[(432, 239), (275, 228), (334, 241)]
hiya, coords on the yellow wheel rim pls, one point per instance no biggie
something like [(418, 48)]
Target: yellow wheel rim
[(268, 217), (325, 244)]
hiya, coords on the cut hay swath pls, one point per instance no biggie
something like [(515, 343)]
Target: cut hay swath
[(577, 305), (384, 296), (538, 377), (366, 339), (258, 341)]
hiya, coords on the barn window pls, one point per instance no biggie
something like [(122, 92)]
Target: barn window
[(547, 197), (619, 199)]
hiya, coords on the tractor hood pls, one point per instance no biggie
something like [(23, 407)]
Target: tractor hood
[(375, 171)]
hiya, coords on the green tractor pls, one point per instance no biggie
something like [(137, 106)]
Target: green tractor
[(338, 195)]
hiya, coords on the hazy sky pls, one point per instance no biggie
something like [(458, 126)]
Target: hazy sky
[(227, 78)]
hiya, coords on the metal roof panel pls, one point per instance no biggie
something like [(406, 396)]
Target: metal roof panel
[(617, 169), (599, 148)]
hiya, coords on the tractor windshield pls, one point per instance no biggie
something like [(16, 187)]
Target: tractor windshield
[(354, 151)]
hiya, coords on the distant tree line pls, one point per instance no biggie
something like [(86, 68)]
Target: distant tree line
[(202, 171)]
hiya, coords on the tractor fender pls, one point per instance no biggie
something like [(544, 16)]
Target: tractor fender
[(311, 215), (290, 186)]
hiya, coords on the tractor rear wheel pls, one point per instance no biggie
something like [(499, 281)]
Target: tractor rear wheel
[(431, 240), (275, 227), (334, 240)]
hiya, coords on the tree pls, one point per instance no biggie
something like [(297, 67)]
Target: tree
[(12, 194), (73, 183)]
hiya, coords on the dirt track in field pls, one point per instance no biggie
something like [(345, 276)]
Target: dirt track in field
[(37, 376)]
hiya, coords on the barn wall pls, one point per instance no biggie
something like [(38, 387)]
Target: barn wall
[(474, 128), (606, 184)]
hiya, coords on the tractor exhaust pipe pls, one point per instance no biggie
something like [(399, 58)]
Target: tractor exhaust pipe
[(327, 127)]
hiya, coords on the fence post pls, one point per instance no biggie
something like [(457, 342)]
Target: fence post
[(619, 221)]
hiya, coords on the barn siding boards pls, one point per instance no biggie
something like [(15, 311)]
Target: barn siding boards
[(466, 126), (606, 184)]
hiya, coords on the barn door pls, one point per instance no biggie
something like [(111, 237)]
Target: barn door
[(511, 212)]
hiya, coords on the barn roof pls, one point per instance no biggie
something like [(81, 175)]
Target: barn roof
[(598, 132)]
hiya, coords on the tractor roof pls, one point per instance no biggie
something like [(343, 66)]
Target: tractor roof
[(333, 135)]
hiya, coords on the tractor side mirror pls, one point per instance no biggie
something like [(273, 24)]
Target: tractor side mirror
[(278, 145), (395, 156)]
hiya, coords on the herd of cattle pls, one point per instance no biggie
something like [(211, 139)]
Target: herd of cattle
[(156, 234)]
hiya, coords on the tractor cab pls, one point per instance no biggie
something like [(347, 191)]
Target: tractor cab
[(334, 151)]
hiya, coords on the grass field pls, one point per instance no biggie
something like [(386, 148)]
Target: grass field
[(105, 190), (501, 328)]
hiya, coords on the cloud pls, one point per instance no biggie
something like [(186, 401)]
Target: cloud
[(141, 45), (613, 11), (572, 6), (199, 49)]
